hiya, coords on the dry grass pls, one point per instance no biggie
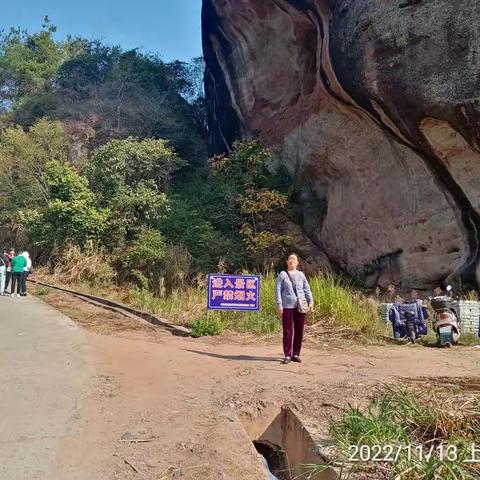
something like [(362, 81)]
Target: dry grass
[(74, 266), (426, 419), (440, 384), (339, 312), (338, 308), (96, 319), (343, 307)]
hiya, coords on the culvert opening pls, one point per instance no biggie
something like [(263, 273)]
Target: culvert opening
[(287, 446), (275, 459)]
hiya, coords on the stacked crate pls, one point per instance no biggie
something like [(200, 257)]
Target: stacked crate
[(469, 316)]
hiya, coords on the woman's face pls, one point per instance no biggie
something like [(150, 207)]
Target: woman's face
[(292, 262)]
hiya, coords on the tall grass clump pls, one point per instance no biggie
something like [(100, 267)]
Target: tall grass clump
[(181, 306), (342, 306), (262, 323), (469, 339), (89, 267), (188, 306), (416, 429), (335, 304)]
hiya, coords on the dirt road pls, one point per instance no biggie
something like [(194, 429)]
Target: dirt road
[(153, 406)]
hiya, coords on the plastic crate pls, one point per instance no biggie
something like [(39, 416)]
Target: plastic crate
[(384, 310)]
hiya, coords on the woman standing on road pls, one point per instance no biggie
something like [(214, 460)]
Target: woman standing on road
[(294, 300), (9, 256), (4, 263), (26, 272), (18, 263)]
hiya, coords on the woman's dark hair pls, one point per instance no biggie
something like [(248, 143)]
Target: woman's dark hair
[(295, 254)]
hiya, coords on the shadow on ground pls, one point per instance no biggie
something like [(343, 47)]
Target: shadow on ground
[(252, 358)]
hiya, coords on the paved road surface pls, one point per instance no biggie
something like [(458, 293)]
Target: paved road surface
[(42, 370)]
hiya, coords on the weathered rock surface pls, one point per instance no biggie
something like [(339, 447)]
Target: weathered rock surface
[(373, 107)]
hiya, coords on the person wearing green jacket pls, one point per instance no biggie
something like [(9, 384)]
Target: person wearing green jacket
[(18, 264)]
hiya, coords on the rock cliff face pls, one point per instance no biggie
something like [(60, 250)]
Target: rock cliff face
[(373, 106)]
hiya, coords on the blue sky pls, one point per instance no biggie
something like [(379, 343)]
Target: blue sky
[(168, 27)]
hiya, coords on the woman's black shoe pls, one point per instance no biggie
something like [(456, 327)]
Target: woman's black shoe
[(286, 360), (297, 359)]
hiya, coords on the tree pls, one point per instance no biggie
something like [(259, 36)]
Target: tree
[(29, 63), (131, 177), (260, 206), (24, 159), (125, 92), (144, 259), (207, 245), (190, 78), (192, 88), (130, 94), (71, 216)]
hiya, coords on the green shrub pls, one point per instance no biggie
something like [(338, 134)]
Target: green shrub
[(131, 178), (184, 224), (41, 292), (143, 260), (71, 216), (210, 326)]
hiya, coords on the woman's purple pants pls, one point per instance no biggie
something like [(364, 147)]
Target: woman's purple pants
[(293, 328)]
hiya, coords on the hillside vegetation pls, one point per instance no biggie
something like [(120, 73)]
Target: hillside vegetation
[(105, 178), (108, 146)]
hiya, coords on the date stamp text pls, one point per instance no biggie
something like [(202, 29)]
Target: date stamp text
[(396, 453)]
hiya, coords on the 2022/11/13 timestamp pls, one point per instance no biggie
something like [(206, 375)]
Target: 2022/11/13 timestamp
[(394, 453)]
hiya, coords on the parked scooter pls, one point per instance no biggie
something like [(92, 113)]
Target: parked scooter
[(411, 327), (445, 320)]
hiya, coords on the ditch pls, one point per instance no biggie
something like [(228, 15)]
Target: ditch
[(287, 446)]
